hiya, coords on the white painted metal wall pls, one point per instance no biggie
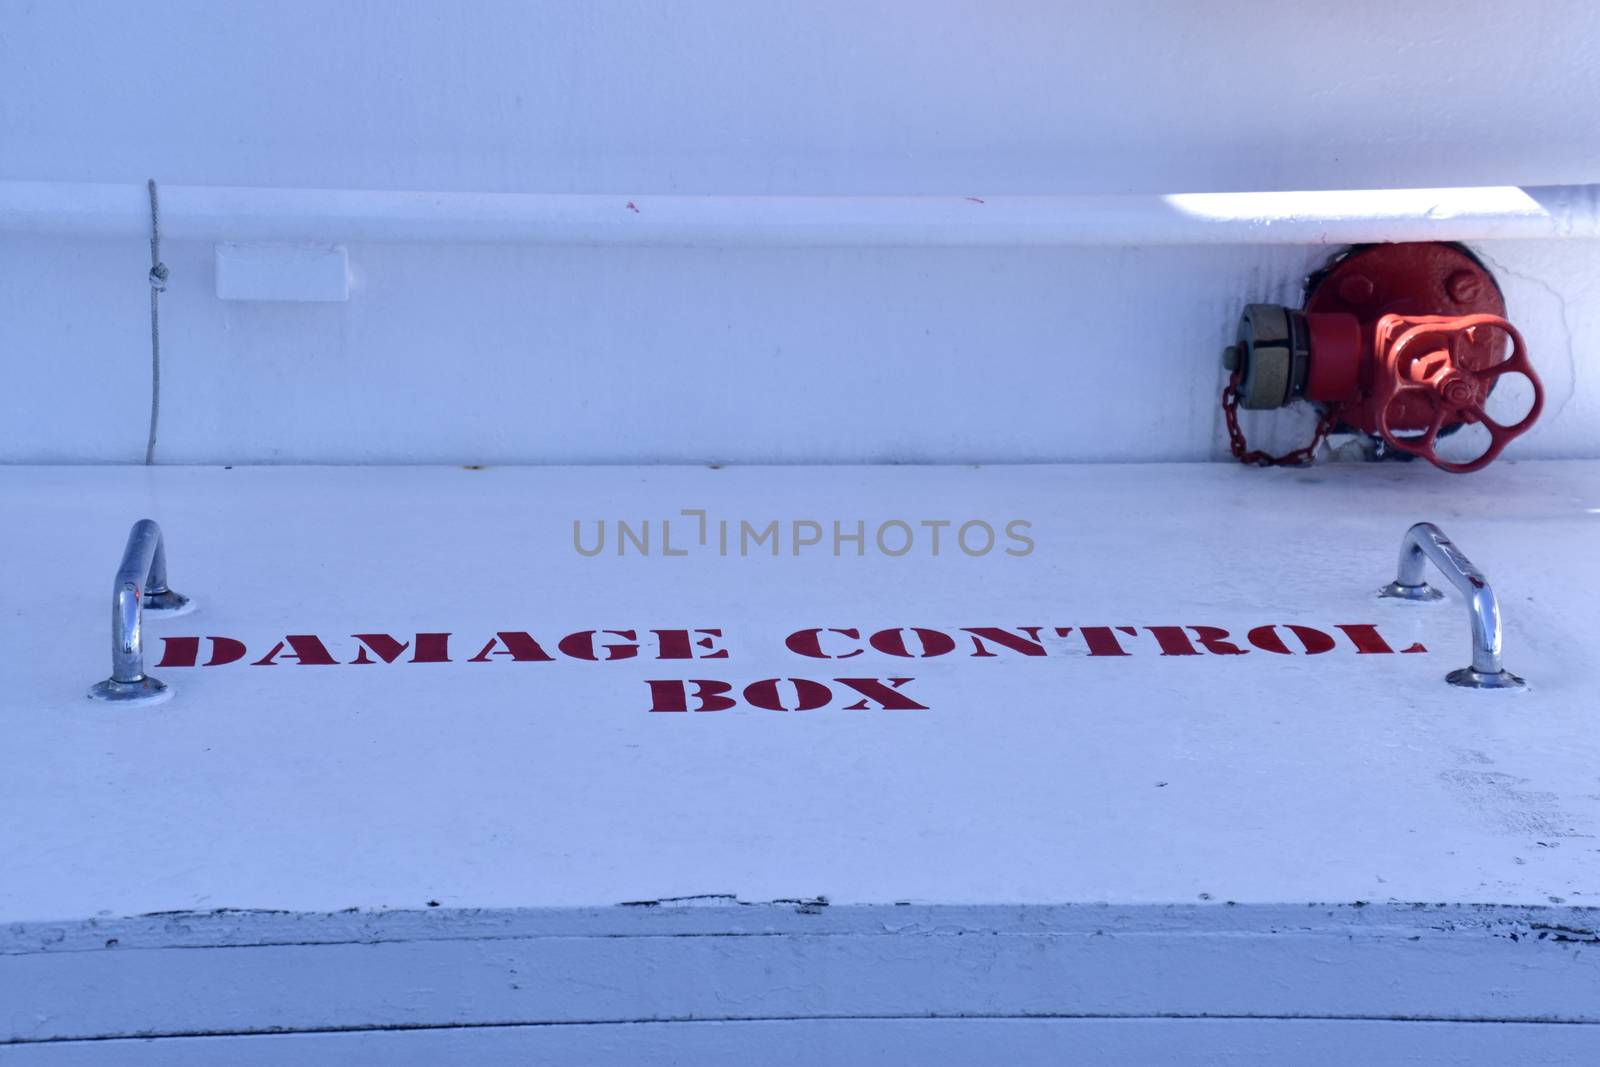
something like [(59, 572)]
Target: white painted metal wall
[(451, 350), (827, 98)]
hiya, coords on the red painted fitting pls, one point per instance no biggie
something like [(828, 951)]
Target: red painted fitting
[(1401, 341), (1333, 375)]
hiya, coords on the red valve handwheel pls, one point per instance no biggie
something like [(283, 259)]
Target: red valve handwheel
[(1394, 339), (1425, 359)]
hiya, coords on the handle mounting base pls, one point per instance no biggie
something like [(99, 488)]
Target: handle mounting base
[(146, 690)]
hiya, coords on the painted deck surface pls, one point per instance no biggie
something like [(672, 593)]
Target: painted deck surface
[(942, 1042), (1268, 834)]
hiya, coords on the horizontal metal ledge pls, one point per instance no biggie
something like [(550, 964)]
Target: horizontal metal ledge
[(234, 214)]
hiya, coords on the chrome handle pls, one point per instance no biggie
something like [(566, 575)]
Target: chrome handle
[(140, 587), (1424, 542)]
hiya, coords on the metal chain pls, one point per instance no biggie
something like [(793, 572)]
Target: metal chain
[(158, 284), (1245, 454)]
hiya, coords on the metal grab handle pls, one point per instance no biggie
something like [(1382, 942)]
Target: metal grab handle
[(1424, 542), (140, 587)]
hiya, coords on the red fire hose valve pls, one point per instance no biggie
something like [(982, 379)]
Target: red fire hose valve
[(1402, 342)]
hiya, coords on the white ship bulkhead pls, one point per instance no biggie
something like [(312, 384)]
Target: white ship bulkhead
[(706, 535)]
